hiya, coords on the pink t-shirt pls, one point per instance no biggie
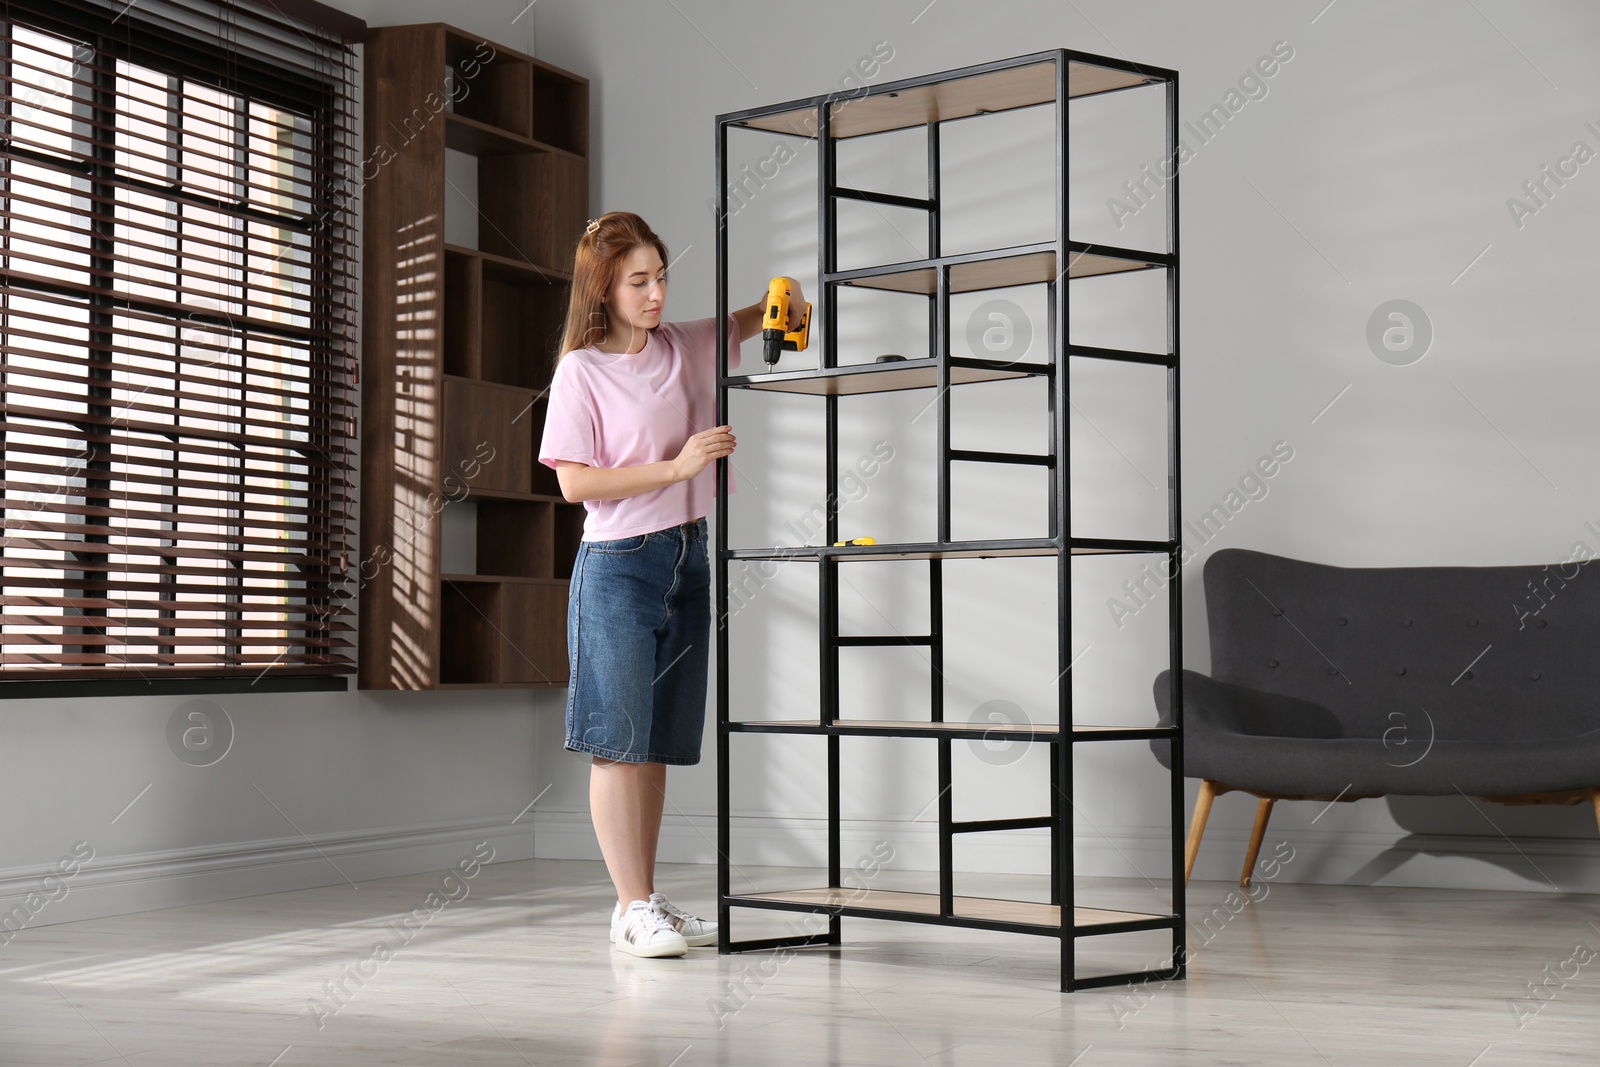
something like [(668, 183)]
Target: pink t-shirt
[(615, 410)]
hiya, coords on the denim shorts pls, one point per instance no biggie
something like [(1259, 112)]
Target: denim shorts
[(638, 641)]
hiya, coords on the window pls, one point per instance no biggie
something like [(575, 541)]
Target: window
[(177, 391)]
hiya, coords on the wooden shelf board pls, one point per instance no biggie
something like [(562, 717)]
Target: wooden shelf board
[(525, 498), (1089, 264), (1000, 272), (984, 908), (874, 552), (887, 552), (501, 579), (1000, 90), (872, 378), (951, 550), (466, 134), (484, 383), (508, 269), (1045, 731), (1091, 79), (1086, 728), (501, 685)]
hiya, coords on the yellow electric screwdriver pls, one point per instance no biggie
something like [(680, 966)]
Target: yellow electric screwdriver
[(775, 338)]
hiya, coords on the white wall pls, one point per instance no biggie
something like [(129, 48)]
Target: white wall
[(1377, 167)]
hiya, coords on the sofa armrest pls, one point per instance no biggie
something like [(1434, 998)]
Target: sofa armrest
[(1219, 711), (1222, 707)]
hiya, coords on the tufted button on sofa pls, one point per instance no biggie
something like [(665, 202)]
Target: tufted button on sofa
[(1343, 683)]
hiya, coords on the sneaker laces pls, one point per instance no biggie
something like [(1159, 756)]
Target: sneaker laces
[(676, 916), (650, 919)]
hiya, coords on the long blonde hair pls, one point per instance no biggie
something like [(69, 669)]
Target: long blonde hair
[(601, 250)]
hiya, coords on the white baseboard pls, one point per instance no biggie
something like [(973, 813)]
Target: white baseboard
[(1528, 864), (120, 885)]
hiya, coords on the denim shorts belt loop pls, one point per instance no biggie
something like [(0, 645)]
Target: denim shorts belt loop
[(638, 644)]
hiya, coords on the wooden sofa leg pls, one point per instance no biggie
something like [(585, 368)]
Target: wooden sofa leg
[(1263, 813), (1197, 825)]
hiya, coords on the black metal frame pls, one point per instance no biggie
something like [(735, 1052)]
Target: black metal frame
[(1059, 544)]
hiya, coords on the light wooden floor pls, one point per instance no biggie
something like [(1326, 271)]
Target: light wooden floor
[(520, 972)]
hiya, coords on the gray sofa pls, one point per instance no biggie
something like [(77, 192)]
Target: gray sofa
[(1342, 683)]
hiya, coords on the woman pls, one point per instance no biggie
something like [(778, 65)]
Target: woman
[(624, 432)]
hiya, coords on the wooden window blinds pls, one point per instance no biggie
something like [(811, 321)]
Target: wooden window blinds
[(177, 330)]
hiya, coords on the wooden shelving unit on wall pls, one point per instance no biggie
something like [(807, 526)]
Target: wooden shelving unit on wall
[(458, 350)]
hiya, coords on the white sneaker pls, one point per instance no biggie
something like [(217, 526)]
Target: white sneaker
[(693, 929), (643, 930)]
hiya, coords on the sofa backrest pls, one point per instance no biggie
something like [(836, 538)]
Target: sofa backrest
[(1458, 653)]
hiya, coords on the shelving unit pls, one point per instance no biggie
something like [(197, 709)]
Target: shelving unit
[(459, 349), (1046, 78)]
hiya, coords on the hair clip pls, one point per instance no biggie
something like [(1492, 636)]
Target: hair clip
[(594, 224)]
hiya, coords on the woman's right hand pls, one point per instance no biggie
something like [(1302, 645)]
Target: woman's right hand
[(702, 449)]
